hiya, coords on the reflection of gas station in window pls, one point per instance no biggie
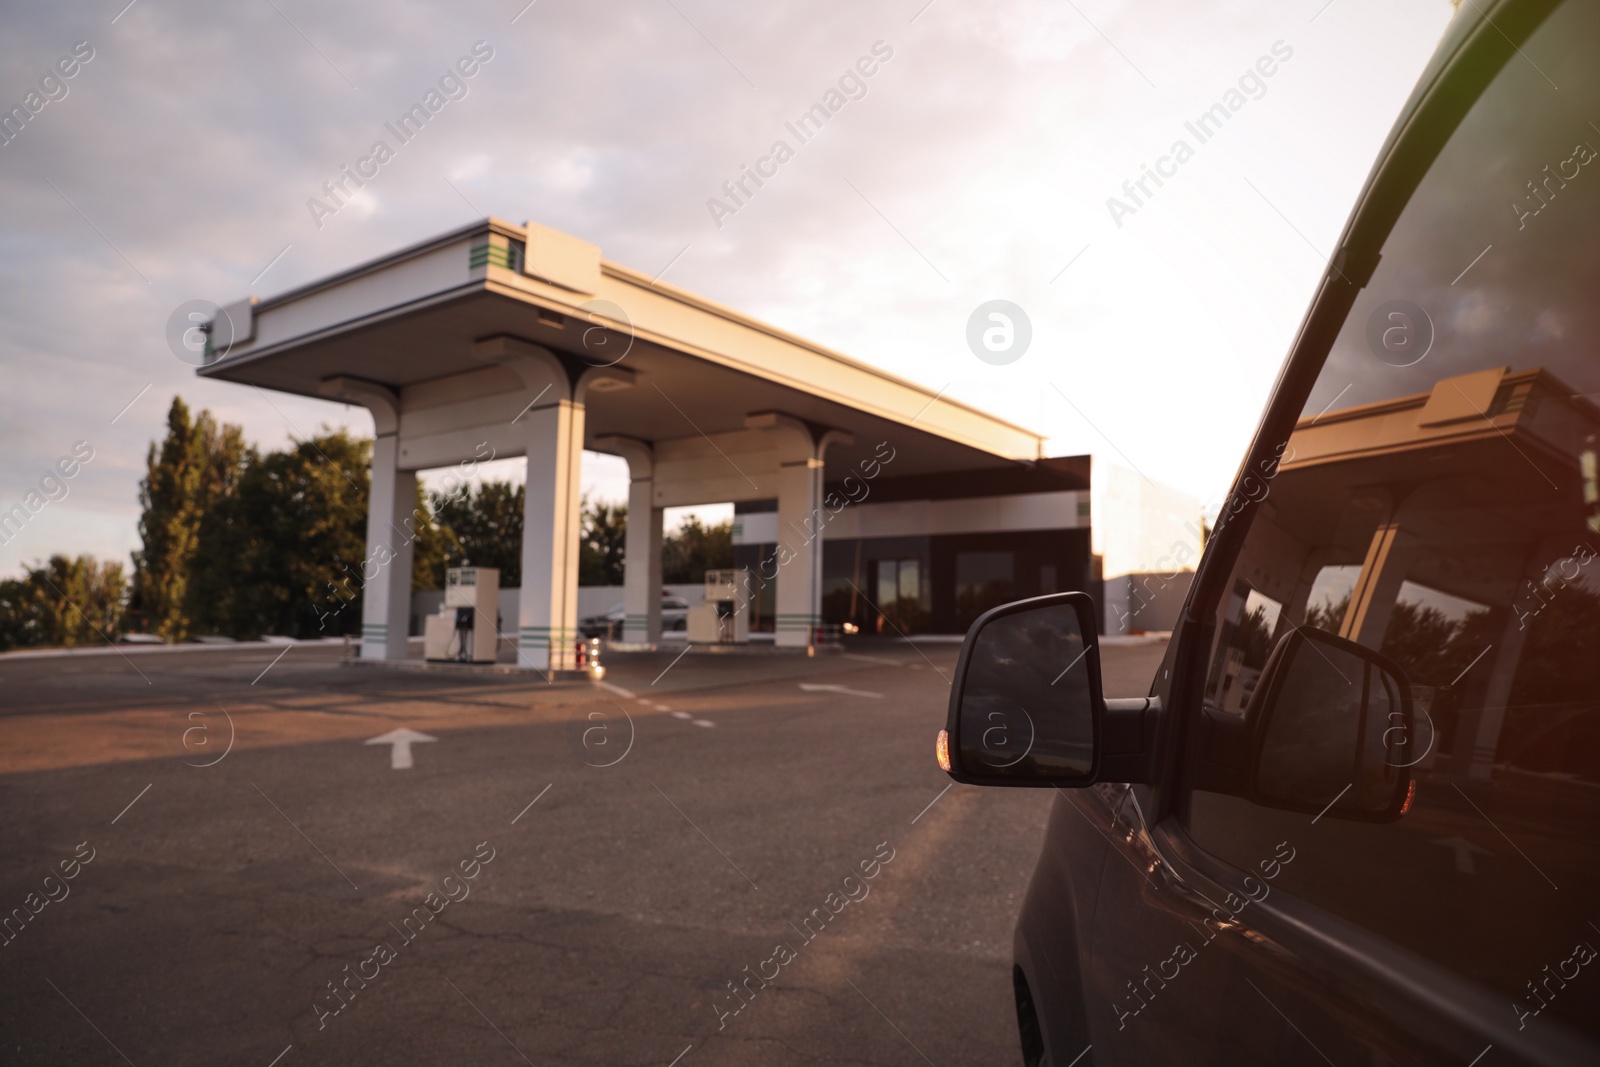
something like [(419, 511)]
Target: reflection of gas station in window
[(1440, 505), (1450, 530), (1250, 623)]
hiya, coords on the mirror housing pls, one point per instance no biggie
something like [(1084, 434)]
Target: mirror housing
[(1026, 707), (1318, 734), (1323, 732)]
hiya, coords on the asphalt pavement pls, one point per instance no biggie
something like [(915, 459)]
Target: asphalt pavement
[(710, 860)]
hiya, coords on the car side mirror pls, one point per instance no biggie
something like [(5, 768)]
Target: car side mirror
[(1324, 732), (1025, 704)]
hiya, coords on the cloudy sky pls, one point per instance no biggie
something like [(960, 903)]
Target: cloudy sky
[(976, 166)]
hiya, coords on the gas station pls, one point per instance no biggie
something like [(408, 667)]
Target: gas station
[(498, 340)]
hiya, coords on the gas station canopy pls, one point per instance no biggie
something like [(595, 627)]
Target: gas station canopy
[(497, 340)]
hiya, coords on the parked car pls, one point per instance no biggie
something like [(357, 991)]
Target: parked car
[(1356, 819), (674, 618)]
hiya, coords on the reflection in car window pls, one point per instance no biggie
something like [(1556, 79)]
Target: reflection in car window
[(1439, 501)]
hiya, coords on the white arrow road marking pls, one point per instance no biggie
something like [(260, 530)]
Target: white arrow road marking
[(840, 689), (1464, 850), (401, 740)]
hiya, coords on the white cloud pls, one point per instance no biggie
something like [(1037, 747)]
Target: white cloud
[(991, 140)]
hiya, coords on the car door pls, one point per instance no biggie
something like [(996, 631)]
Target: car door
[(1425, 486)]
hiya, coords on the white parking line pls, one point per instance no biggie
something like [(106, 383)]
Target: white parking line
[(842, 690), (686, 717)]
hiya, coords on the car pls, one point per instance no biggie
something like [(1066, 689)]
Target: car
[(1356, 817), (674, 619)]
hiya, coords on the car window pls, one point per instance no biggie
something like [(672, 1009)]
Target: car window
[(1439, 502)]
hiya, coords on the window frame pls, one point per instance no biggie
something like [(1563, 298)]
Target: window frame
[(1392, 996), (1387, 996), (1471, 55)]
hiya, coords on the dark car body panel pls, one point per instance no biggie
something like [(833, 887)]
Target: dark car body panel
[(1120, 885)]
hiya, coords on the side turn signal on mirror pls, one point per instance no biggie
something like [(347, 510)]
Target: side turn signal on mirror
[(941, 750)]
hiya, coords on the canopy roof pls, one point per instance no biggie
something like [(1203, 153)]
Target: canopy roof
[(411, 318)]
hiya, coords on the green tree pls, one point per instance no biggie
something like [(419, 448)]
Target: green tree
[(294, 536), (692, 549), (487, 524), (435, 548), (1431, 647), (65, 602), (241, 544), (1328, 615), (198, 465), (602, 543)]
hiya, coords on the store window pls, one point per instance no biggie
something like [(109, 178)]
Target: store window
[(983, 580)]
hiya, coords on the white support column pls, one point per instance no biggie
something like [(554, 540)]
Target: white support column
[(1488, 690), (547, 609), (386, 570), (1389, 558), (798, 608), (1480, 728), (547, 623), (641, 581), (650, 580), (641, 569)]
